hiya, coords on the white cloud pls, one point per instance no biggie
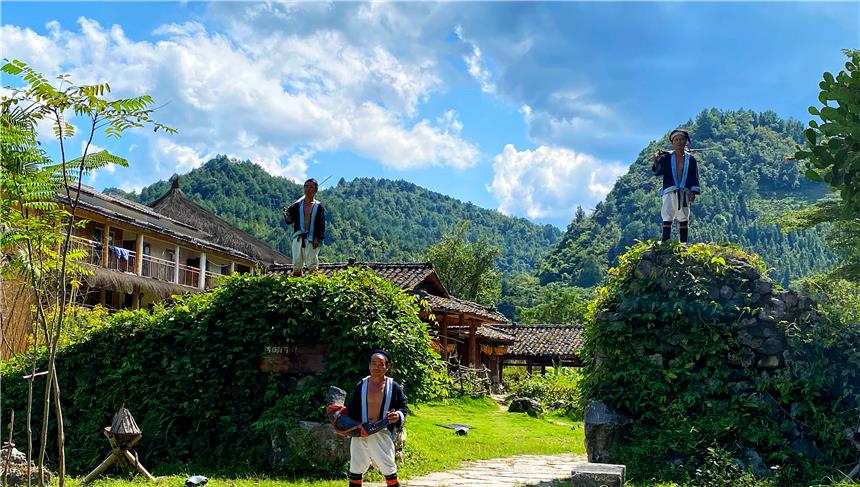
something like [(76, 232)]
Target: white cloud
[(475, 64), (179, 158), (270, 97), (549, 182)]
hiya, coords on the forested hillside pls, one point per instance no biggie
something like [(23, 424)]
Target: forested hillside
[(745, 179), (370, 219)]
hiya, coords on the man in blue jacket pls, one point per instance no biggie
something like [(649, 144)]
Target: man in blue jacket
[(375, 397), (307, 217), (680, 172)]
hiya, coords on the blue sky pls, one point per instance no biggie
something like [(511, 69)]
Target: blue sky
[(530, 108)]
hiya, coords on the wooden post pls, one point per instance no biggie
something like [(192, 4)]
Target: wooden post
[(462, 322), (102, 296), (138, 249), (474, 359), (529, 365), (105, 244), (201, 279), (135, 298), (442, 318), (232, 267), (176, 266)]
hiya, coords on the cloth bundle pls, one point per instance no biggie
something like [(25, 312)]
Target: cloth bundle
[(343, 424)]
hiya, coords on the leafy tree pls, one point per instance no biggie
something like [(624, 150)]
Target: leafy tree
[(559, 304), (37, 230), (521, 290), (467, 268), (832, 150), (832, 155)]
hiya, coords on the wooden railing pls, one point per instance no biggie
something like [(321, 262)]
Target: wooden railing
[(93, 248), (211, 280), (118, 258), (161, 269), (189, 276), (124, 260)]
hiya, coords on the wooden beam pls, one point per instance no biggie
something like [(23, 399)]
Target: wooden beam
[(138, 249), (442, 319), (201, 278), (105, 244), (474, 359), (176, 265)]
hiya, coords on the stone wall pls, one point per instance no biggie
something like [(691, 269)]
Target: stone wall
[(730, 299)]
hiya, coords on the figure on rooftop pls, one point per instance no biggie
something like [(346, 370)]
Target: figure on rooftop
[(680, 172), (307, 217)]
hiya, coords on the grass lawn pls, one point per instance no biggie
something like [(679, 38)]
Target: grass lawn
[(430, 448)]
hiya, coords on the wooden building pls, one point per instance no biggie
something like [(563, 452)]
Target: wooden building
[(142, 254)]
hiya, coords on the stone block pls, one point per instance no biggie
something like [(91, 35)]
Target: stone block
[(597, 475), (525, 405), (769, 362), (604, 430)]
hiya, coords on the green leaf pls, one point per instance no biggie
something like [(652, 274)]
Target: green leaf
[(813, 175)]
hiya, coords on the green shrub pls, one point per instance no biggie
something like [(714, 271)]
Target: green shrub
[(191, 373), (558, 384)]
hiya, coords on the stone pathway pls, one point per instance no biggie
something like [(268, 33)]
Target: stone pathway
[(525, 470)]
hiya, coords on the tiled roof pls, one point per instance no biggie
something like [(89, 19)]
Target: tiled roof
[(543, 340), (454, 305), (486, 332), (407, 276)]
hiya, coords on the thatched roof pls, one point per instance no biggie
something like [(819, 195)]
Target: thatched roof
[(560, 341), (409, 276), (140, 216), (125, 282), (176, 205)]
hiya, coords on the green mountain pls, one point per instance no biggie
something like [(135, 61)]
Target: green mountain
[(369, 219), (745, 179)]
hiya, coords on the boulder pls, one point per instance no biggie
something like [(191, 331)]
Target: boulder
[(525, 405), (16, 475), (604, 431), (750, 460)]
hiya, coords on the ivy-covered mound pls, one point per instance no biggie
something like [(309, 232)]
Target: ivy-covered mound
[(191, 373), (720, 375)]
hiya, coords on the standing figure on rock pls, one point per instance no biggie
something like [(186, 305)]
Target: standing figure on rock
[(307, 216), (680, 173), (375, 397)]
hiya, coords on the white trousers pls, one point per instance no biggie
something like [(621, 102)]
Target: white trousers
[(670, 211), (307, 256), (377, 449)]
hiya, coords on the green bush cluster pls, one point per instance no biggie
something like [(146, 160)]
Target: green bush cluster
[(659, 350), (558, 384), (191, 373)]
